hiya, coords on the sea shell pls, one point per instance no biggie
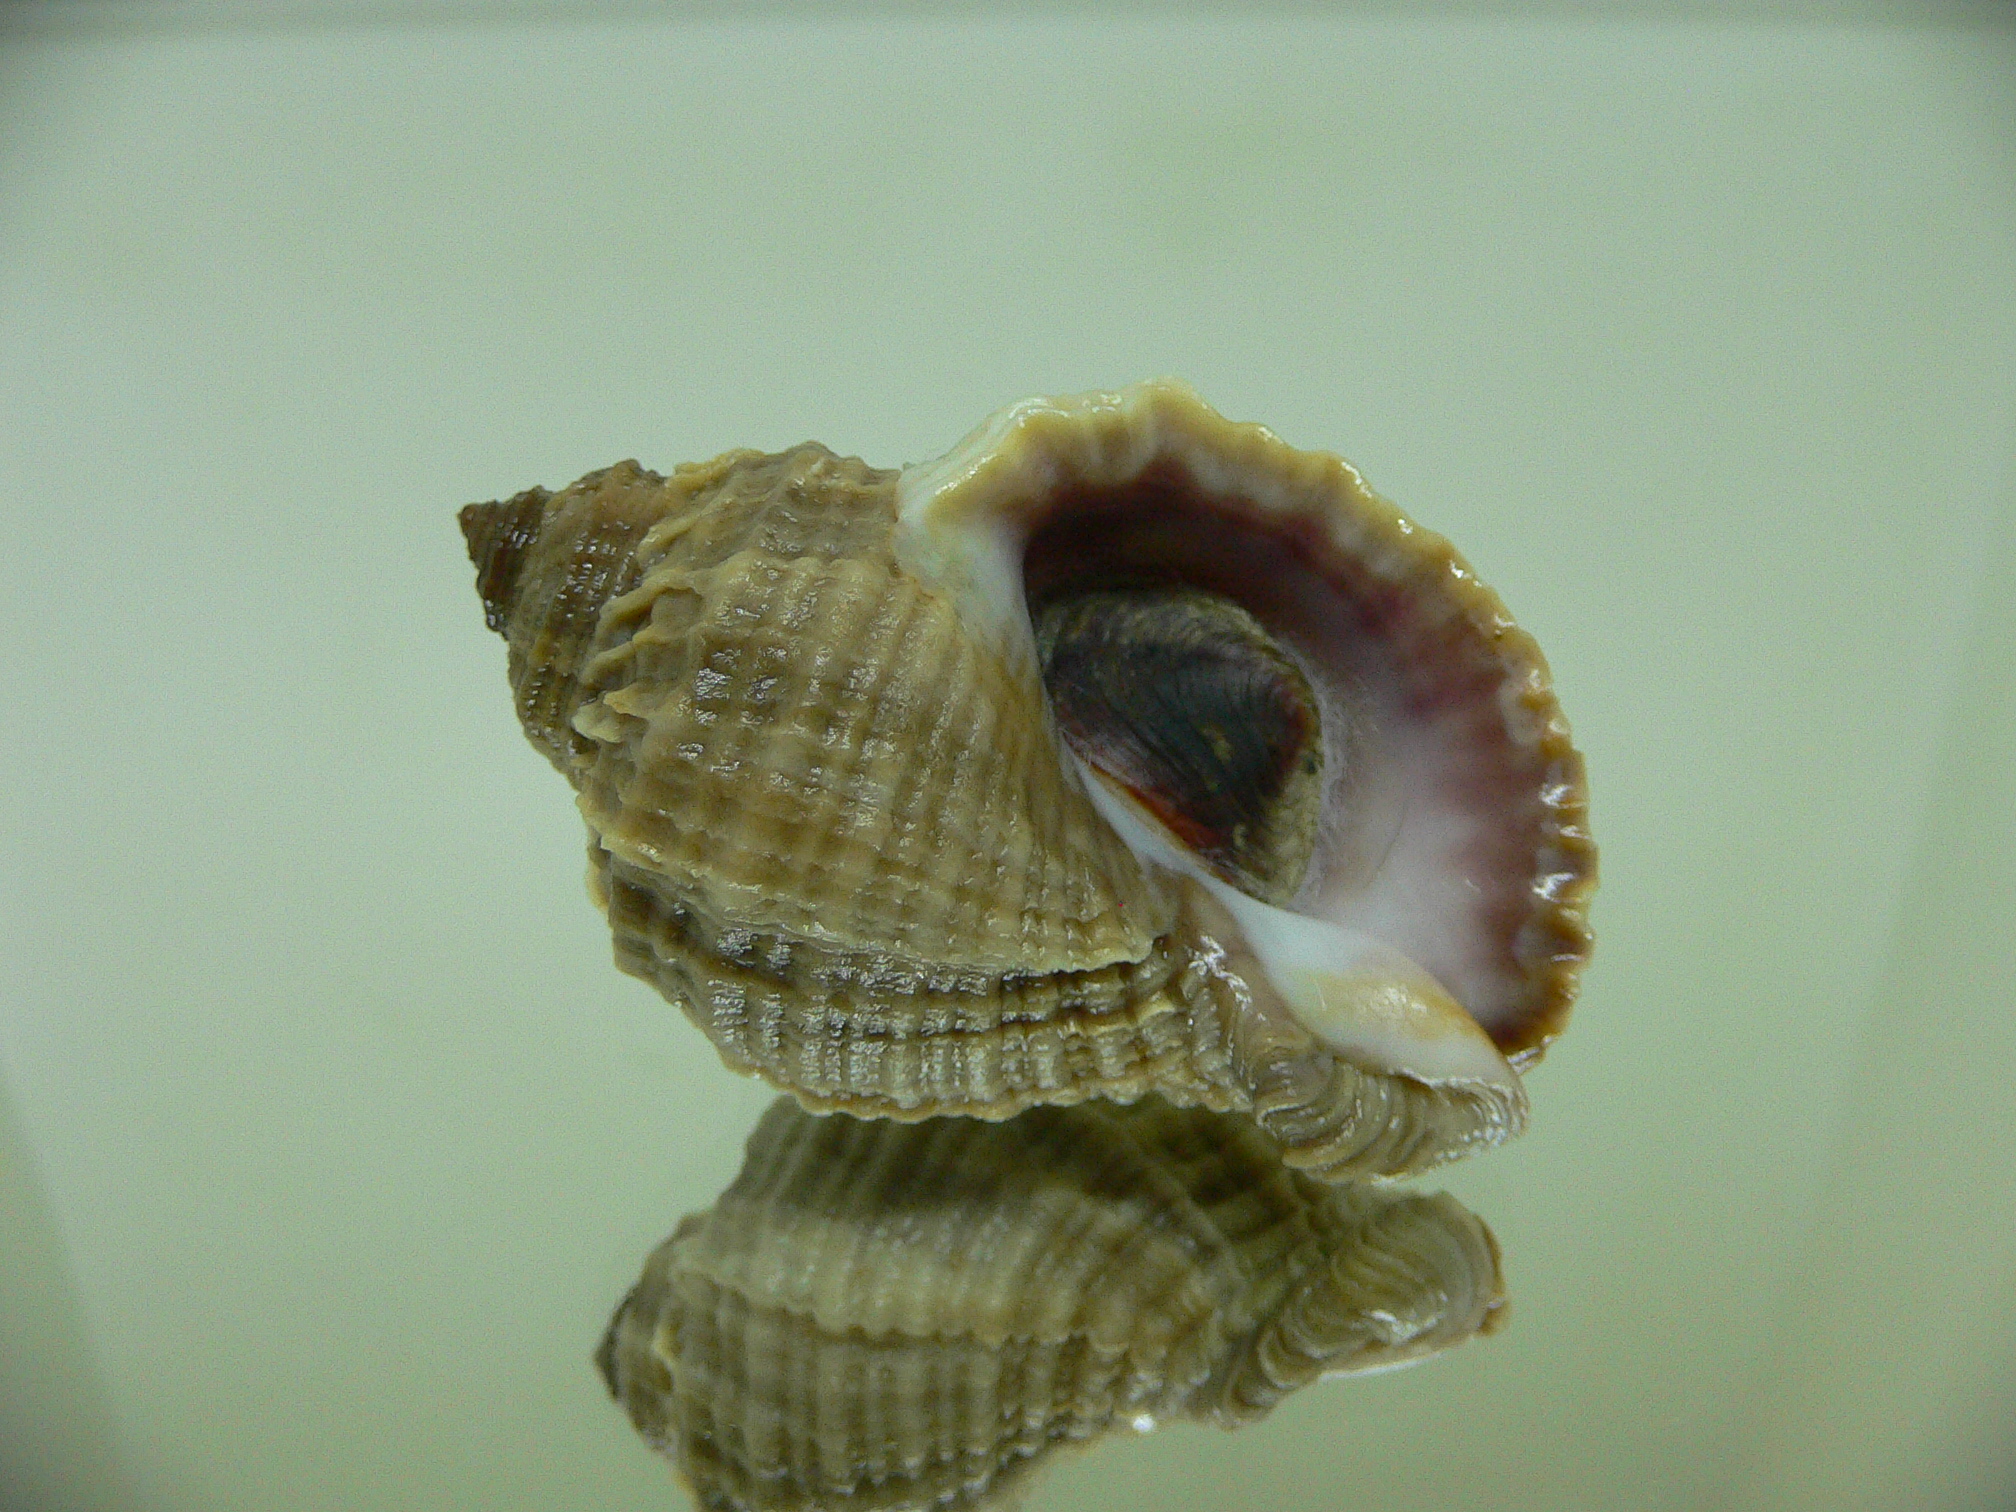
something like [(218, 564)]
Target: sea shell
[(888, 1315), (1123, 749)]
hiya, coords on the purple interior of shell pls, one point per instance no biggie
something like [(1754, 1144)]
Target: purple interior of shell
[(1437, 835)]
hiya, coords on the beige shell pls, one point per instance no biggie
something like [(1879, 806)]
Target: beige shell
[(831, 817), (887, 1315)]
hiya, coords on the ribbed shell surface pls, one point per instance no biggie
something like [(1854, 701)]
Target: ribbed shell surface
[(800, 738), (888, 1315), (838, 830), (830, 816)]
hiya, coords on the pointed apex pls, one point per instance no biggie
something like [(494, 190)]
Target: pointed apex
[(499, 536)]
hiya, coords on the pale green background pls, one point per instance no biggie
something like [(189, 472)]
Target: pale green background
[(330, 1135)]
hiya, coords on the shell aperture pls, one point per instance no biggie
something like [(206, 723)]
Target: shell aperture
[(884, 1315), (880, 793)]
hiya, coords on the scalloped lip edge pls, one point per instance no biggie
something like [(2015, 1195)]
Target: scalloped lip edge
[(951, 511)]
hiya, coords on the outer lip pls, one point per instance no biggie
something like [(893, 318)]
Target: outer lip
[(966, 522)]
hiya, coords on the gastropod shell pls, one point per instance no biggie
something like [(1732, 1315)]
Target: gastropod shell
[(1122, 749)]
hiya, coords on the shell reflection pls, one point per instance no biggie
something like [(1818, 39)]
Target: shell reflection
[(1122, 750), (890, 1315)]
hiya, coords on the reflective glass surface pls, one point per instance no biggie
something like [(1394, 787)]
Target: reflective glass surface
[(331, 1136)]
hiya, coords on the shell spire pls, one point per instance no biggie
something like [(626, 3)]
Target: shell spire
[(498, 536), (546, 566)]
